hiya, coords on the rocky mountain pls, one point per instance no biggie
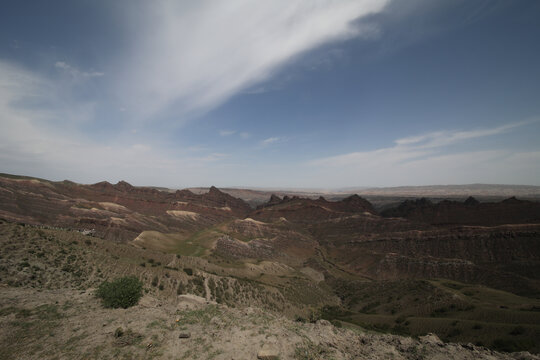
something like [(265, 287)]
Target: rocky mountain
[(447, 267), (117, 212), (469, 212), (304, 210)]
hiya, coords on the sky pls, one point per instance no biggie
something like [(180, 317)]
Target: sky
[(279, 93)]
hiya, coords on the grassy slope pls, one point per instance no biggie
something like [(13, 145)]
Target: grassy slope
[(454, 311)]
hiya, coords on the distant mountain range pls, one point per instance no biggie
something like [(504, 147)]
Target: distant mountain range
[(257, 196)]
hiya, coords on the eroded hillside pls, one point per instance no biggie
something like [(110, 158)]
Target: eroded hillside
[(469, 281)]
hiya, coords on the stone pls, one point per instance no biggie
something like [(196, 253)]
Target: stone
[(268, 352), (323, 322), (184, 335), (431, 339)]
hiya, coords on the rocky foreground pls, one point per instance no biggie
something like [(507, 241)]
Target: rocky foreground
[(70, 324)]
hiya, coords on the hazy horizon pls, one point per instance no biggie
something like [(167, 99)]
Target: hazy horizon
[(277, 94), (482, 187)]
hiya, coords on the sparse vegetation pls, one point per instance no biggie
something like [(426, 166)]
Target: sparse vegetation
[(120, 293), (54, 262), (311, 351)]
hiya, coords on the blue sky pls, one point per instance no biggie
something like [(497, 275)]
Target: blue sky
[(305, 94)]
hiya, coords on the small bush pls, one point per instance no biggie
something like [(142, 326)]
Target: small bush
[(400, 330), (181, 289), (118, 332), (505, 345), (120, 293), (337, 323), (518, 330), (454, 332), (439, 312), (314, 315)]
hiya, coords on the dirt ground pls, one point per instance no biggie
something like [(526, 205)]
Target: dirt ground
[(71, 324)]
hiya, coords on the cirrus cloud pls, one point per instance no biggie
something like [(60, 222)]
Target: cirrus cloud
[(194, 56)]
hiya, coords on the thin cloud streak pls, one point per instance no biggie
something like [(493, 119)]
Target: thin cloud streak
[(226, 132), (444, 138), (270, 140), (244, 134), (420, 160), (76, 73), (414, 147)]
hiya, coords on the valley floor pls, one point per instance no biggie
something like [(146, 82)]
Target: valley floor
[(72, 324)]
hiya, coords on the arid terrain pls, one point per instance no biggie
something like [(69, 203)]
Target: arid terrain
[(301, 277)]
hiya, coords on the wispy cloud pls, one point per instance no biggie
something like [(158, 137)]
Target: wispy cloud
[(406, 149), (241, 134), (444, 138), (226, 132), (421, 160), (270, 140), (213, 157), (30, 141), (196, 56), (76, 73), (257, 90)]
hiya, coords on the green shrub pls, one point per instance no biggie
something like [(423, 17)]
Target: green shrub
[(505, 345), (314, 314), (337, 323), (400, 330), (120, 293), (518, 330), (118, 332), (454, 332), (181, 289)]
